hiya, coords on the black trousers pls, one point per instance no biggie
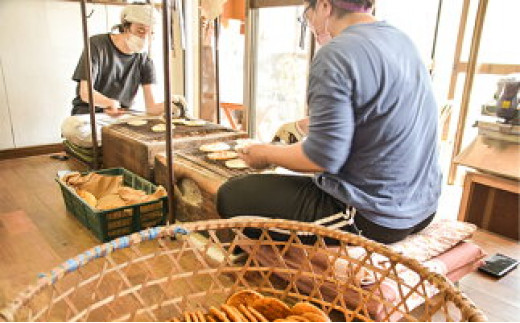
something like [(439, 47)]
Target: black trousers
[(298, 198)]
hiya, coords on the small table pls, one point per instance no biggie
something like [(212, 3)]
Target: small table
[(491, 196)]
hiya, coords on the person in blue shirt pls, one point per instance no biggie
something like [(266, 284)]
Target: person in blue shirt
[(371, 136)]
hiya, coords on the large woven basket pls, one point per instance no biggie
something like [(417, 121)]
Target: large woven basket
[(162, 272)]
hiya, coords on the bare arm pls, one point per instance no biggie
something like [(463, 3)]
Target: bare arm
[(291, 157), (152, 107), (110, 106), (99, 99)]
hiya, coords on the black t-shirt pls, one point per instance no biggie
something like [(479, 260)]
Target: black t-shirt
[(114, 74)]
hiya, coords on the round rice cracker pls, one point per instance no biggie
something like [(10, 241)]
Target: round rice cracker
[(178, 120), (218, 314), (312, 317), (296, 318), (222, 155), (246, 313), (244, 297), (187, 317), (232, 313), (209, 318), (310, 311), (258, 315), (236, 164), (160, 127), (194, 123), (137, 123), (200, 316), (214, 147), (272, 308)]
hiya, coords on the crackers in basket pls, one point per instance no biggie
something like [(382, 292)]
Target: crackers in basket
[(250, 306)]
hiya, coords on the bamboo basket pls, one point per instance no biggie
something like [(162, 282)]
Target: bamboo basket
[(160, 273)]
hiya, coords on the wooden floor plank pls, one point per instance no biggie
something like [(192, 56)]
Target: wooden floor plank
[(498, 298), (24, 253)]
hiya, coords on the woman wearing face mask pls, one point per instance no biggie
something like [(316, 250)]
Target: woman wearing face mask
[(371, 135), (120, 64)]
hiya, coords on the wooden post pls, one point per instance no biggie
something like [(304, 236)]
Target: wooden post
[(217, 65), (88, 66), (435, 36), (458, 49), (470, 75), (166, 11)]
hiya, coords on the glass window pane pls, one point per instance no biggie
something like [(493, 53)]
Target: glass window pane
[(419, 26), (282, 68), (500, 44)]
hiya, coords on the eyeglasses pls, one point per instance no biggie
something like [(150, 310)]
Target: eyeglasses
[(303, 27)]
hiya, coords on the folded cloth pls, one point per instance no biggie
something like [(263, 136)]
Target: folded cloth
[(82, 150), (450, 257), (76, 129), (85, 155)]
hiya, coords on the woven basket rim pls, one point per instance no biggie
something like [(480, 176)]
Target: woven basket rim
[(437, 280)]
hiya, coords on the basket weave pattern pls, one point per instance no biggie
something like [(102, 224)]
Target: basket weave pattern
[(149, 276)]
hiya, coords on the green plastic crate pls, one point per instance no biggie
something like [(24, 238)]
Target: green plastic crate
[(109, 224)]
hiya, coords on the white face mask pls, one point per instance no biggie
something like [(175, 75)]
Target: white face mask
[(322, 36), (135, 43)]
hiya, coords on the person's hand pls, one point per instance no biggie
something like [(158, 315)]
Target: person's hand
[(114, 109), (255, 156), (289, 133), (179, 107)]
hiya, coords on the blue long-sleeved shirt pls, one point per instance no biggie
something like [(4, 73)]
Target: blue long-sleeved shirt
[(373, 125)]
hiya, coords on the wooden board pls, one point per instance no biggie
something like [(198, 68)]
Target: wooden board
[(492, 156), (134, 148)]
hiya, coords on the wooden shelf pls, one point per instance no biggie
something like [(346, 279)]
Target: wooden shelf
[(113, 2)]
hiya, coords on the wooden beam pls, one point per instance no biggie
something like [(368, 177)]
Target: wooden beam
[(31, 151), (495, 69), (468, 86), (458, 49), (112, 2), (255, 4)]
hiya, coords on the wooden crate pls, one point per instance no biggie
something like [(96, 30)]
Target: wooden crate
[(134, 148)]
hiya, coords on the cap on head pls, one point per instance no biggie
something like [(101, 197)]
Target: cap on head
[(143, 14)]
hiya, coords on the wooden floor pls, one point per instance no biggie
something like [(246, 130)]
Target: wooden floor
[(36, 234)]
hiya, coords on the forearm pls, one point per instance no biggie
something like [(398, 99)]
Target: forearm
[(100, 100), (155, 109), (291, 157)]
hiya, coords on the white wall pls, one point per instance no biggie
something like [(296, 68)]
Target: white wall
[(6, 137), (40, 44)]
